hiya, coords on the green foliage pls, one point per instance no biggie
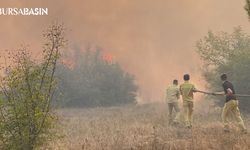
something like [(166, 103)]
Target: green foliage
[(227, 53), (93, 81), (27, 90)]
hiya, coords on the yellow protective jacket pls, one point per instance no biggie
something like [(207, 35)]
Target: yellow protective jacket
[(187, 90)]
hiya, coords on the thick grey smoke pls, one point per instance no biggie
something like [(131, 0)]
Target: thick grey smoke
[(155, 40)]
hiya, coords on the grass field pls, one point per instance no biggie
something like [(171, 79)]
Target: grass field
[(144, 127)]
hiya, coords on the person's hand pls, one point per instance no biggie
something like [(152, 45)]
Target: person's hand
[(213, 94)]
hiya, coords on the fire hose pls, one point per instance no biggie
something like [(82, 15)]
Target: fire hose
[(210, 93)]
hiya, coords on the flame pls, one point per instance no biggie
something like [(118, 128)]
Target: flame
[(68, 63), (109, 58)]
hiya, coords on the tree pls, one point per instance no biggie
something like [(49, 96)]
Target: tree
[(247, 7), (27, 91), (94, 81), (227, 53)]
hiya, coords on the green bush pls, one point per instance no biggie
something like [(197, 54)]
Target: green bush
[(27, 89)]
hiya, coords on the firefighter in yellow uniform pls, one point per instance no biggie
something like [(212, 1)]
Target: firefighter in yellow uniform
[(231, 105), (172, 97), (187, 91)]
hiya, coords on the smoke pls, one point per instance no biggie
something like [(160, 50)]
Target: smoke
[(154, 40)]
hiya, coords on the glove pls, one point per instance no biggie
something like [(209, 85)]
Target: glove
[(213, 94)]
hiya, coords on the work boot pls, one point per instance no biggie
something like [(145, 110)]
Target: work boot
[(189, 126), (244, 131), (226, 130)]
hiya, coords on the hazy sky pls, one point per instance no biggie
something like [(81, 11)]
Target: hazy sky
[(152, 39)]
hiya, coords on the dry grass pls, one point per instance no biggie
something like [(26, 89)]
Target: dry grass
[(142, 127)]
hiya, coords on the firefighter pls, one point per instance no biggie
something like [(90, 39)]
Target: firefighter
[(187, 90), (231, 105), (172, 98)]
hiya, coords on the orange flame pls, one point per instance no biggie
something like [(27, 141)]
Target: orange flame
[(108, 58)]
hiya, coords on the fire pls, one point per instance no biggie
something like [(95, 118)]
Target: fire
[(108, 58), (69, 63)]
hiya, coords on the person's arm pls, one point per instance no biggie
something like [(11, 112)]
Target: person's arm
[(166, 95), (229, 91), (178, 93), (180, 90), (194, 89)]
